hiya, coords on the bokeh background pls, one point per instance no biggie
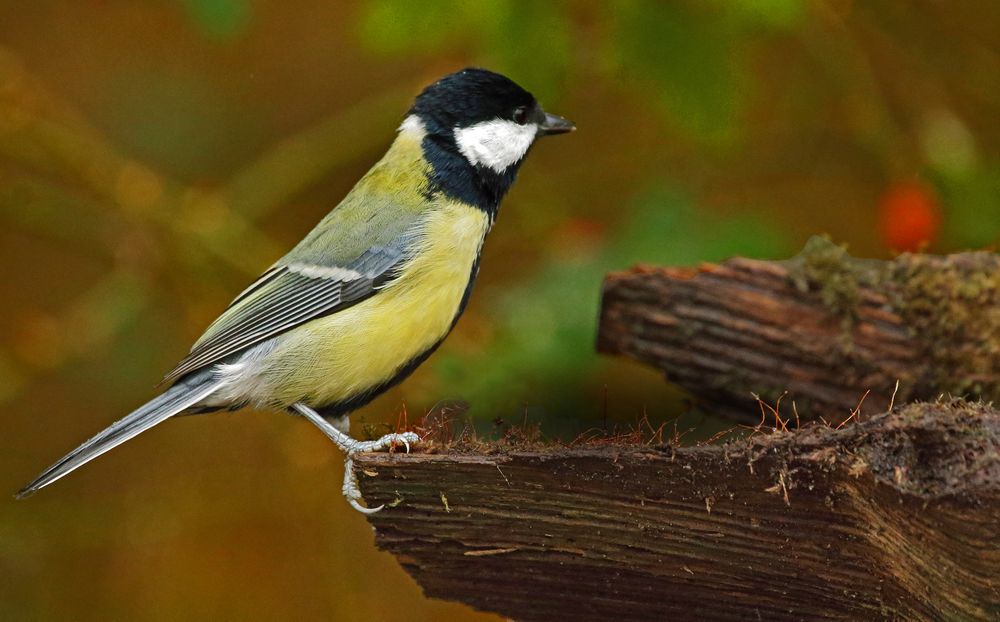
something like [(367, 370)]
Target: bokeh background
[(156, 155)]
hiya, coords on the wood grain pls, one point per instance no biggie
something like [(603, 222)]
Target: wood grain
[(823, 329), (892, 518)]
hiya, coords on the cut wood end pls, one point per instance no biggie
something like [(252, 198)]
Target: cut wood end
[(823, 325)]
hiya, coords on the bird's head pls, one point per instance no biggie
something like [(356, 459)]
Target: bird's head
[(485, 119)]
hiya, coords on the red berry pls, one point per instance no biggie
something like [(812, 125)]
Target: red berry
[(909, 216)]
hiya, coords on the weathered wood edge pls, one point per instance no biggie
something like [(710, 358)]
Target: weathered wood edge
[(892, 518), (823, 329)]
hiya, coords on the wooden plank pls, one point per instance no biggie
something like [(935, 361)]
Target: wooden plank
[(824, 327), (895, 517)]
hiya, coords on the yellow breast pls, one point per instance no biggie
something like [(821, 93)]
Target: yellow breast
[(354, 350)]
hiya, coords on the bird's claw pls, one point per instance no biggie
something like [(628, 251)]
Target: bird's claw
[(386, 442), (350, 489), (352, 447)]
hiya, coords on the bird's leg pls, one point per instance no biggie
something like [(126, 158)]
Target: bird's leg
[(351, 446)]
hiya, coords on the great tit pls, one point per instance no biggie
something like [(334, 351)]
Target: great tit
[(370, 292)]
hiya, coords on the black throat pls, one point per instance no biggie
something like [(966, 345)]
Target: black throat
[(452, 175)]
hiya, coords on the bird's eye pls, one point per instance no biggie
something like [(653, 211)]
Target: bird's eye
[(521, 115)]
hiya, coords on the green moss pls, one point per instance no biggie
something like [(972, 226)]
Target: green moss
[(953, 309), (827, 269)]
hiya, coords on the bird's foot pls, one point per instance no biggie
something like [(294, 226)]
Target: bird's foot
[(350, 447), (386, 442), (350, 488)]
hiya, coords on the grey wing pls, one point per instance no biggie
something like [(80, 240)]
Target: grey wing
[(287, 296)]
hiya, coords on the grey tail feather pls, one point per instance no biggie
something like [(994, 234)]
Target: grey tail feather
[(177, 398)]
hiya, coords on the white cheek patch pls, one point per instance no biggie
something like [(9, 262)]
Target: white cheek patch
[(495, 144)]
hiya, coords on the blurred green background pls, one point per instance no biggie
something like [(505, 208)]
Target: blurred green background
[(156, 155)]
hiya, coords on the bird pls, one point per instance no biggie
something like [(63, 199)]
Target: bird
[(370, 293)]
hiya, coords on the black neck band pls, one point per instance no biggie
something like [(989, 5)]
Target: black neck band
[(453, 175)]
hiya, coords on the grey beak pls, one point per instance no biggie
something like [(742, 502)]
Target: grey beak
[(555, 125)]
